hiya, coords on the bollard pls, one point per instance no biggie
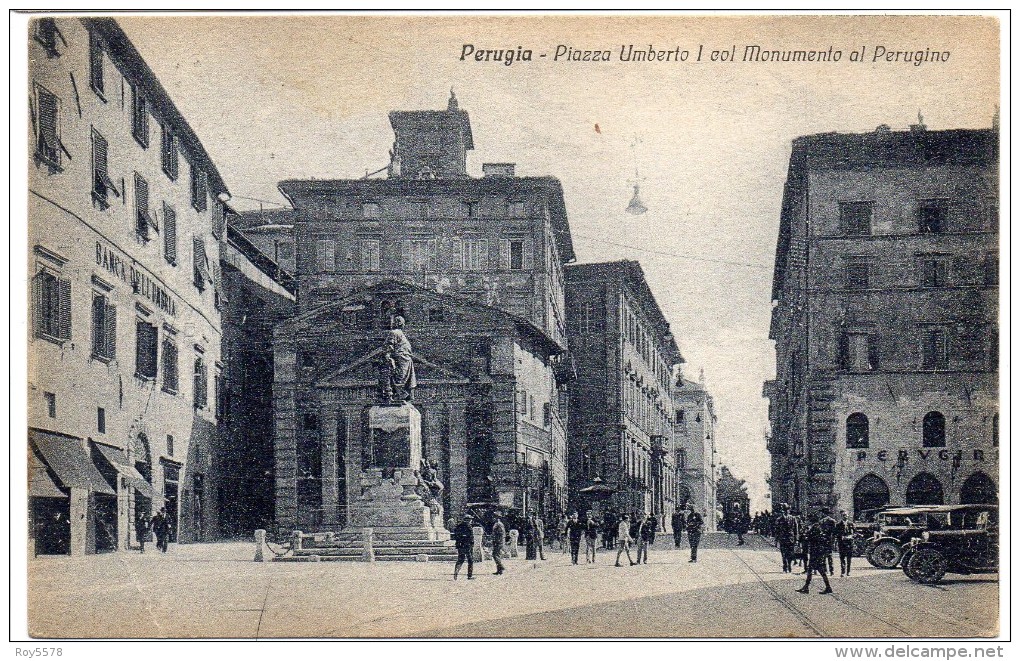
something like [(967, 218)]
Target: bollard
[(313, 558), (367, 551), (260, 543), (476, 551), (514, 535), (295, 539), (421, 557)]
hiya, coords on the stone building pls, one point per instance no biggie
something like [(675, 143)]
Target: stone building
[(694, 427), (272, 232), (125, 220), (623, 402), (495, 242), (885, 319)]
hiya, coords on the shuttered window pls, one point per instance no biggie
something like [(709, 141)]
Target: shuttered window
[(476, 254), (202, 274), (47, 34), (325, 256), (146, 349), (168, 153), (139, 117), (102, 185), (104, 328), (170, 375), (370, 255), (48, 129), (52, 302), (418, 255), (96, 64), (201, 383), (169, 234), (199, 192), (144, 219), (516, 254)]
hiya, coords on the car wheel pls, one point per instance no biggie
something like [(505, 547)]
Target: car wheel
[(928, 566), (905, 563), (886, 554)]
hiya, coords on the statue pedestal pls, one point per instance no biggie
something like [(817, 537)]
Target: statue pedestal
[(389, 502)]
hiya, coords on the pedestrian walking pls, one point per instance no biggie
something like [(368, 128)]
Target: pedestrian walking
[(787, 534), (845, 542), (575, 531), (498, 544), (645, 536), (540, 536), (678, 522), (142, 529), (561, 531), (740, 526), (161, 526), (609, 526), (623, 540), (591, 534), (464, 539), (695, 524), (530, 538), (819, 548), (828, 525)]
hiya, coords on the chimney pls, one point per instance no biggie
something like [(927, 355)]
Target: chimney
[(498, 169)]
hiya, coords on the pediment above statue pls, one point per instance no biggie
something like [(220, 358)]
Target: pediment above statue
[(363, 372)]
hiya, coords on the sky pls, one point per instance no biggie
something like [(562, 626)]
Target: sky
[(281, 97)]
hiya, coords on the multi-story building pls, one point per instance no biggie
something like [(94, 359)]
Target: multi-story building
[(272, 232), (623, 401), (885, 318), (696, 455), (125, 220), (442, 246)]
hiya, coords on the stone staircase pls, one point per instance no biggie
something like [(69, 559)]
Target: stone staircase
[(387, 544)]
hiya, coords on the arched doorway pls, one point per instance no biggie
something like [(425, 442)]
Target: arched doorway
[(979, 489), (925, 489), (870, 493)]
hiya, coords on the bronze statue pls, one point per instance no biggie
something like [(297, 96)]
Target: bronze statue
[(430, 490), (397, 380)]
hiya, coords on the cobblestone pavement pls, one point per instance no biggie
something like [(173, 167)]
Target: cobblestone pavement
[(215, 590)]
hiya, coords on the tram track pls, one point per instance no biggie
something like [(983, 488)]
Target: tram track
[(801, 616)]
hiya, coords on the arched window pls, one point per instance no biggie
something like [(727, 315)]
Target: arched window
[(870, 493), (979, 488), (934, 430), (924, 489), (857, 430)]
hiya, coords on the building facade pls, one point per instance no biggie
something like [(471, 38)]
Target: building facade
[(623, 402), (694, 427), (498, 241), (125, 221), (885, 319)]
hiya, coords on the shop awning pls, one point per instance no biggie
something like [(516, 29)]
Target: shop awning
[(68, 459), (118, 459), (40, 483)]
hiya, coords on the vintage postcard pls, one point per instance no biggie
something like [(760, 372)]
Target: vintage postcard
[(397, 325)]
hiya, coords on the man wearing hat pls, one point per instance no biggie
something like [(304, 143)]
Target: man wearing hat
[(464, 538), (498, 543)]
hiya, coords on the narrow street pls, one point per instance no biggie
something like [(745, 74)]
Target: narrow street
[(214, 590)]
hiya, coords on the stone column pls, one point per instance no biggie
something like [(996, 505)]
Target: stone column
[(354, 430), (457, 478), (83, 522), (285, 442), (476, 551), (327, 448)]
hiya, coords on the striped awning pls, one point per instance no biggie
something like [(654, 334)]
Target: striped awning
[(40, 482), (119, 460), (67, 458)]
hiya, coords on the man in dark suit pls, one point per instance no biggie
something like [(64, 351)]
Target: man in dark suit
[(679, 522), (828, 525), (787, 532), (464, 539), (575, 531), (819, 547), (695, 524), (845, 542), (498, 543)]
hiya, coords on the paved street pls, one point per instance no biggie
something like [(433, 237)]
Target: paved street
[(214, 590)]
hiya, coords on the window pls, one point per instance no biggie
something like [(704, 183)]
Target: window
[(991, 269), (168, 153), (857, 272), (144, 220), (308, 359), (531, 407), (52, 301), (475, 254), (96, 65), (169, 234), (418, 255), (371, 210), (934, 270), (935, 348), (325, 255), (517, 254), (199, 192), (857, 431), (546, 414), (169, 445), (101, 420), (139, 117), (51, 404), (518, 210), (933, 432), (285, 251), (855, 218), (370, 255), (104, 328), (47, 143), (46, 33), (220, 392), (309, 422), (171, 382), (201, 383), (102, 185), (932, 216), (202, 270), (469, 209), (146, 348)]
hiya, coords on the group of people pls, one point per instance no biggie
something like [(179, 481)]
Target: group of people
[(159, 524), (694, 523), (812, 542)]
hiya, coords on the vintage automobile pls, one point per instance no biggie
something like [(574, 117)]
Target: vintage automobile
[(895, 527), (960, 539)]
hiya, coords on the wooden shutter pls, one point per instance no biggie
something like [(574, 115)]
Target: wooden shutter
[(48, 140), (330, 256), (529, 253), (98, 327), (110, 321), (433, 255), (201, 263), (457, 254), (483, 256), (99, 175), (64, 309), (39, 312), (141, 206), (504, 254), (169, 234)]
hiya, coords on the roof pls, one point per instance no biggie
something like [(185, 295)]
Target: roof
[(630, 273), (917, 147), (123, 53), (270, 218), (299, 192), (400, 119)]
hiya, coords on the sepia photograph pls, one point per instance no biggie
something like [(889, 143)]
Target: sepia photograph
[(504, 325)]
